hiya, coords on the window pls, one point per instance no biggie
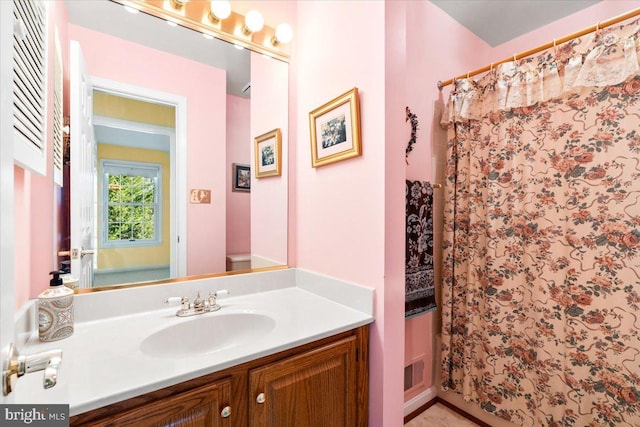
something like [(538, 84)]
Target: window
[(131, 207)]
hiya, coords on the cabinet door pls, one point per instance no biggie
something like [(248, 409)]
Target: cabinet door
[(314, 389), (206, 406)]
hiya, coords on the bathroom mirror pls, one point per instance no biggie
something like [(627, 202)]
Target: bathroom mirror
[(186, 100)]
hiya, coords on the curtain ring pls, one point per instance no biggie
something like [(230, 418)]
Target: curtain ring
[(468, 74), (555, 47)]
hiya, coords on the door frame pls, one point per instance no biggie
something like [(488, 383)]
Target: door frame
[(178, 199), (7, 241)]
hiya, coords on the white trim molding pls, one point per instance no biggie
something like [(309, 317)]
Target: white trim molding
[(423, 398), (179, 200)]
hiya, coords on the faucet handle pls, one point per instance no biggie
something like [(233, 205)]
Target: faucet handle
[(184, 301), (17, 365), (213, 305)]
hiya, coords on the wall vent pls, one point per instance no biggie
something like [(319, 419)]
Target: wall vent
[(414, 374)]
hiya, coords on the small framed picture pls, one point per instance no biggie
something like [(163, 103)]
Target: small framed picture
[(335, 130), (268, 154), (241, 178)]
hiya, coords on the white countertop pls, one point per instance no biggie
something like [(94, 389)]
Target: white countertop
[(102, 361)]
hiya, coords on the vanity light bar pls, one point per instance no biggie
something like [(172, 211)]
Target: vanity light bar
[(196, 15)]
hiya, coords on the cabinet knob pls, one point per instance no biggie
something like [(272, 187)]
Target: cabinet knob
[(260, 398), (226, 412)]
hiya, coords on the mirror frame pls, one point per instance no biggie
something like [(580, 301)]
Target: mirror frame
[(226, 30)]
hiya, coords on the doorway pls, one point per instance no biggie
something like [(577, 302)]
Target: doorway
[(139, 192)]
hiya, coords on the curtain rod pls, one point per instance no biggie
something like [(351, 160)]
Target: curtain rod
[(555, 42)]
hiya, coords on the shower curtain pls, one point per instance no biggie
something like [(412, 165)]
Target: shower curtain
[(541, 275)]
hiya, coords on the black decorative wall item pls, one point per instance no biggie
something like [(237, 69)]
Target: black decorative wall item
[(414, 131)]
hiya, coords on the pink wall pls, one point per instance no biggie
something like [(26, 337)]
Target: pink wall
[(340, 208), (23, 260), (395, 49), (110, 57), (238, 151), (269, 110)]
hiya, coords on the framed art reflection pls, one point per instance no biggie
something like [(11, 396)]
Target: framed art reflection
[(268, 154), (241, 178)]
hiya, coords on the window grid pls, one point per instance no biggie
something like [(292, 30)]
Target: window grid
[(131, 207)]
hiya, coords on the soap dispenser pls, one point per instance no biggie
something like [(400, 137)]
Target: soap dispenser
[(55, 310)]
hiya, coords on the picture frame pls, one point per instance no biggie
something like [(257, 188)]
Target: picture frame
[(241, 177), (268, 154), (335, 130)]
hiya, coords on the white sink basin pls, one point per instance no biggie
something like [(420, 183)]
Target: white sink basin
[(206, 334)]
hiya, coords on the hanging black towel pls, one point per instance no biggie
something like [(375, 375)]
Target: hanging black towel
[(420, 295)]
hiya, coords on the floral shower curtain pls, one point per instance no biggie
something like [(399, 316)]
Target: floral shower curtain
[(541, 277)]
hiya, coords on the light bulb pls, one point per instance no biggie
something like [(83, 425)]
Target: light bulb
[(284, 33), (254, 21), (221, 9)]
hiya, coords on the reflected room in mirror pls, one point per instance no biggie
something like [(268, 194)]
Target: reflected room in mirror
[(155, 112)]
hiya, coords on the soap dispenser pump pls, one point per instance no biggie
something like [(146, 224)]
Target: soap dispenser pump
[(55, 310)]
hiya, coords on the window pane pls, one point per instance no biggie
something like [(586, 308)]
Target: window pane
[(114, 193), (114, 213), (114, 231), (138, 214), (149, 195), (125, 180), (125, 232), (137, 194), (148, 214), (127, 194), (137, 231), (148, 229), (127, 213)]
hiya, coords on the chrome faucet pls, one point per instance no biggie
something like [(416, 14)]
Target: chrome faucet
[(18, 365), (199, 305)]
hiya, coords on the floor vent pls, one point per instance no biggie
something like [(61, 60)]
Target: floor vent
[(414, 374)]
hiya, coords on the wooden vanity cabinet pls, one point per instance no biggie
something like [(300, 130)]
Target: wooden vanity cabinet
[(206, 406), (320, 384), (315, 388)]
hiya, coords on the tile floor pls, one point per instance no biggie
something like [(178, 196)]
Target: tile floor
[(439, 415)]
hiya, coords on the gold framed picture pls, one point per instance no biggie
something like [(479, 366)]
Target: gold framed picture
[(335, 130), (268, 154)]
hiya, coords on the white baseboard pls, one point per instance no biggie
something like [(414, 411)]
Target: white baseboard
[(421, 399)]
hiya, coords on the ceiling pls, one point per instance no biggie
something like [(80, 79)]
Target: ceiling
[(111, 18), (498, 21)]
